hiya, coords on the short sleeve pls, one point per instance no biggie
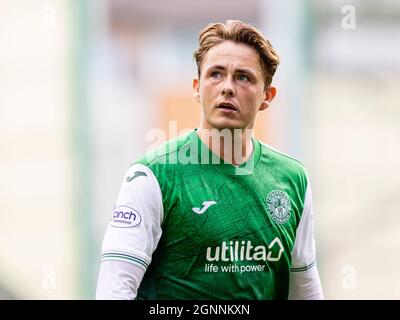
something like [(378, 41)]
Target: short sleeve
[(303, 254), (304, 283), (135, 226)]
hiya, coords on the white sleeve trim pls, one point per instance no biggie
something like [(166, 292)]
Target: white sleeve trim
[(135, 258), (135, 226)]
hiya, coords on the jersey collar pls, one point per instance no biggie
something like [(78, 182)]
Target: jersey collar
[(206, 156)]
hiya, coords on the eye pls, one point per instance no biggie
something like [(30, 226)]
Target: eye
[(216, 74), (243, 77)]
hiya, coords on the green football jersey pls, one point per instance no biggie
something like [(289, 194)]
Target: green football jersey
[(205, 229)]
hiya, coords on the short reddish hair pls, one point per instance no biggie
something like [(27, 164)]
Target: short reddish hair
[(237, 31)]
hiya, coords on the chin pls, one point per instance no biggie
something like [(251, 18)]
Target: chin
[(226, 124)]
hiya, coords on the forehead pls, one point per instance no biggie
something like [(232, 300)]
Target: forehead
[(237, 55)]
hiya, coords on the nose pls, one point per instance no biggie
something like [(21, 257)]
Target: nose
[(227, 89), (228, 92)]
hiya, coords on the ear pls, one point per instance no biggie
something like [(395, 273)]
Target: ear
[(196, 89), (270, 93)]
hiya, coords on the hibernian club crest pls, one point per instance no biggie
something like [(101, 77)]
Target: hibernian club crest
[(278, 206)]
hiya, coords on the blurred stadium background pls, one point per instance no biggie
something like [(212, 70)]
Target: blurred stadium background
[(82, 83)]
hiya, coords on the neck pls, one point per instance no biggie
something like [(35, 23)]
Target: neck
[(232, 145)]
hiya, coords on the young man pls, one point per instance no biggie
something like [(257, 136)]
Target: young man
[(216, 214)]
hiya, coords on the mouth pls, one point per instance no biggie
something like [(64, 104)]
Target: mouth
[(227, 107)]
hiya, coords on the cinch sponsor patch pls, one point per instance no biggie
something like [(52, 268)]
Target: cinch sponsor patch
[(125, 217)]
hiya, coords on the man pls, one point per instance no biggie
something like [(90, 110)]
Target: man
[(216, 214)]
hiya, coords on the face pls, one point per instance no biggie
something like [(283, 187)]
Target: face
[(231, 87)]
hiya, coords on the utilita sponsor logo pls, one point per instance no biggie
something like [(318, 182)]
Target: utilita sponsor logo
[(245, 251), (125, 217)]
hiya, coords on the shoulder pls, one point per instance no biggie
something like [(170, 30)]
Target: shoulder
[(167, 152), (281, 157), (284, 164), (165, 161)]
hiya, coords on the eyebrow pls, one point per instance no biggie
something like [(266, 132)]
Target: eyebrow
[(239, 70)]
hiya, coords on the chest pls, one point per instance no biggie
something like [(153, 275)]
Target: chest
[(235, 212)]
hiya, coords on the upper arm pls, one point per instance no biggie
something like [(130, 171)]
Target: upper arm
[(303, 254), (135, 226), (304, 278)]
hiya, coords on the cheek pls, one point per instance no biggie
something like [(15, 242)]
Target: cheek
[(250, 98), (255, 97), (207, 93)]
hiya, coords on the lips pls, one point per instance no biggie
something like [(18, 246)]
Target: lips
[(227, 106)]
